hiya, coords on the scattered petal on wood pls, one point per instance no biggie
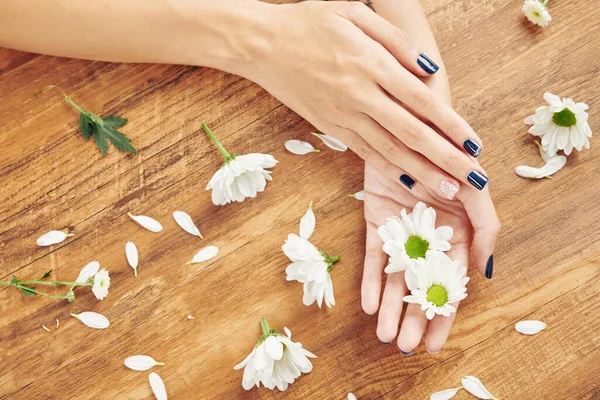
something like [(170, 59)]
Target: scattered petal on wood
[(530, 327), (444, 394), (205, 254), (307, 223), (88, 272), (331, 142), (149, 223), (158, 387), (190, 316), (474, 386), (45, 328), (358, 195), (351, 396), (131, 253), (52, 237), (92, 319), (141, 363), (186, 223), (57, 323), (553, 165), (300, 147)]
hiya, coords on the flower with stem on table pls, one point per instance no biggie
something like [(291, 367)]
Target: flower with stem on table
[(275, 361), (537, 12), (240, 176), (413, 238)]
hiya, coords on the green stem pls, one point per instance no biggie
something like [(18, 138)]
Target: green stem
[(545, 2), (55, 283), (216, 142), (67, 98), (335, 259), (41, 293), (265, 326)]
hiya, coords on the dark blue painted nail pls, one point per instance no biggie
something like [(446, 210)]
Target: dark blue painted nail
[(428, 66), (489, 267), (410, 353), (472, 147), (407, 181), (386, 342), (477, 179)]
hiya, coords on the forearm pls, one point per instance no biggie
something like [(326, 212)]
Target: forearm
[(213, 33)]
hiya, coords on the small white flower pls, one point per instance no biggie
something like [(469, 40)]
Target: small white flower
[(331, 142), (300, 147), (536, 12), (92, 319), (311, 267), (131, 253), (474, 386), (205, 254), (158, 386), (88, 272), (149, 223), (530, 327), (553, 165), (308, 223), (444, 394), (275, 361), (141, 363), (358, 195), (413, 238), (562, 125), (435, 284), (101, 284), (52, 237), (186, 223)]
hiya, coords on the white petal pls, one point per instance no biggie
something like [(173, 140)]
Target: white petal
[(158, 387), (554, 164), (331, 142), (530, 327), (149, 223), (358, 195), (444, 394), (186, 223), (92, 319), (274, 348), (52, 237), (88, 272), (474, 386), (307, 223), (351, 396), (205, 254), (141, 363), (300, 147), (131, 253)]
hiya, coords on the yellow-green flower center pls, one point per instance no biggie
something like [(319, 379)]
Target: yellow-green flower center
[(416, 247), (438, 295), (564, 118)]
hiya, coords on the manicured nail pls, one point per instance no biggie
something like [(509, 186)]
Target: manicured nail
[(433, 352), (477, 179), (472, 147), (386, 342), (406, 354), (489, 267), (448, 189), (407, 181), (428, 66)]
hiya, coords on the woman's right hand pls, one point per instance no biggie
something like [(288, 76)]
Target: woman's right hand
[(355, 76)]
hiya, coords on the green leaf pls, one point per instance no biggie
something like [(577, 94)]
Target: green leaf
[(14, 280), (118, 140), (85, 126), (46, 275), (27, 291), (114, 121)]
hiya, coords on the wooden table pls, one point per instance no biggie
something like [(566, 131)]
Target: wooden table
[(547, 261)]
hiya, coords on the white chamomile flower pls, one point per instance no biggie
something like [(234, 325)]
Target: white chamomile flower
[(101, 284), (88, 272), (413, 238), (311, 267), (562, 125), (436, 284), (240, 176), (537, 12), (275, 361)]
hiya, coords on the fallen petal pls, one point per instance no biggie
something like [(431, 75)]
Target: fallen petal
[(553, 165), (351, 396), (158, 387), (88, 272), (308, 223), (358, 195), (530, 327), (474, 386), (186, 223), (205, 254), (149, 223), (444, 394), (141, 363), (331, 142), (92, 319), (52, 237), (131, 253), (300, 147)]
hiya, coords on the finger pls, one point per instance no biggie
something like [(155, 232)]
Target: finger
[(395, 40), (375, 260), (412, 329), (391, 307)]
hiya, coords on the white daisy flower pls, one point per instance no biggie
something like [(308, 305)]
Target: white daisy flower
[(537, 12), (101, 284), (240, 176), (436, 284), (275, 361), (311, 267), (562, 125), (412, 239)]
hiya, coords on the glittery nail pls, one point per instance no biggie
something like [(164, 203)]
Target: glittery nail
[(448, 189)]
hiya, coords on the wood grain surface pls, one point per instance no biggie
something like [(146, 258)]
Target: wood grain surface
[(547, 260)]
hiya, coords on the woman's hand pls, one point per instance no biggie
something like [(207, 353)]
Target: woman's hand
[(354, 76)]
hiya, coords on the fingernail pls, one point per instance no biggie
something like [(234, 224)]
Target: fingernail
[(407, 181), (406, 354), (386, 342), (489, 267), (477, 179), (433, 352), (426, 64), (472, 147), (448, 189)]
